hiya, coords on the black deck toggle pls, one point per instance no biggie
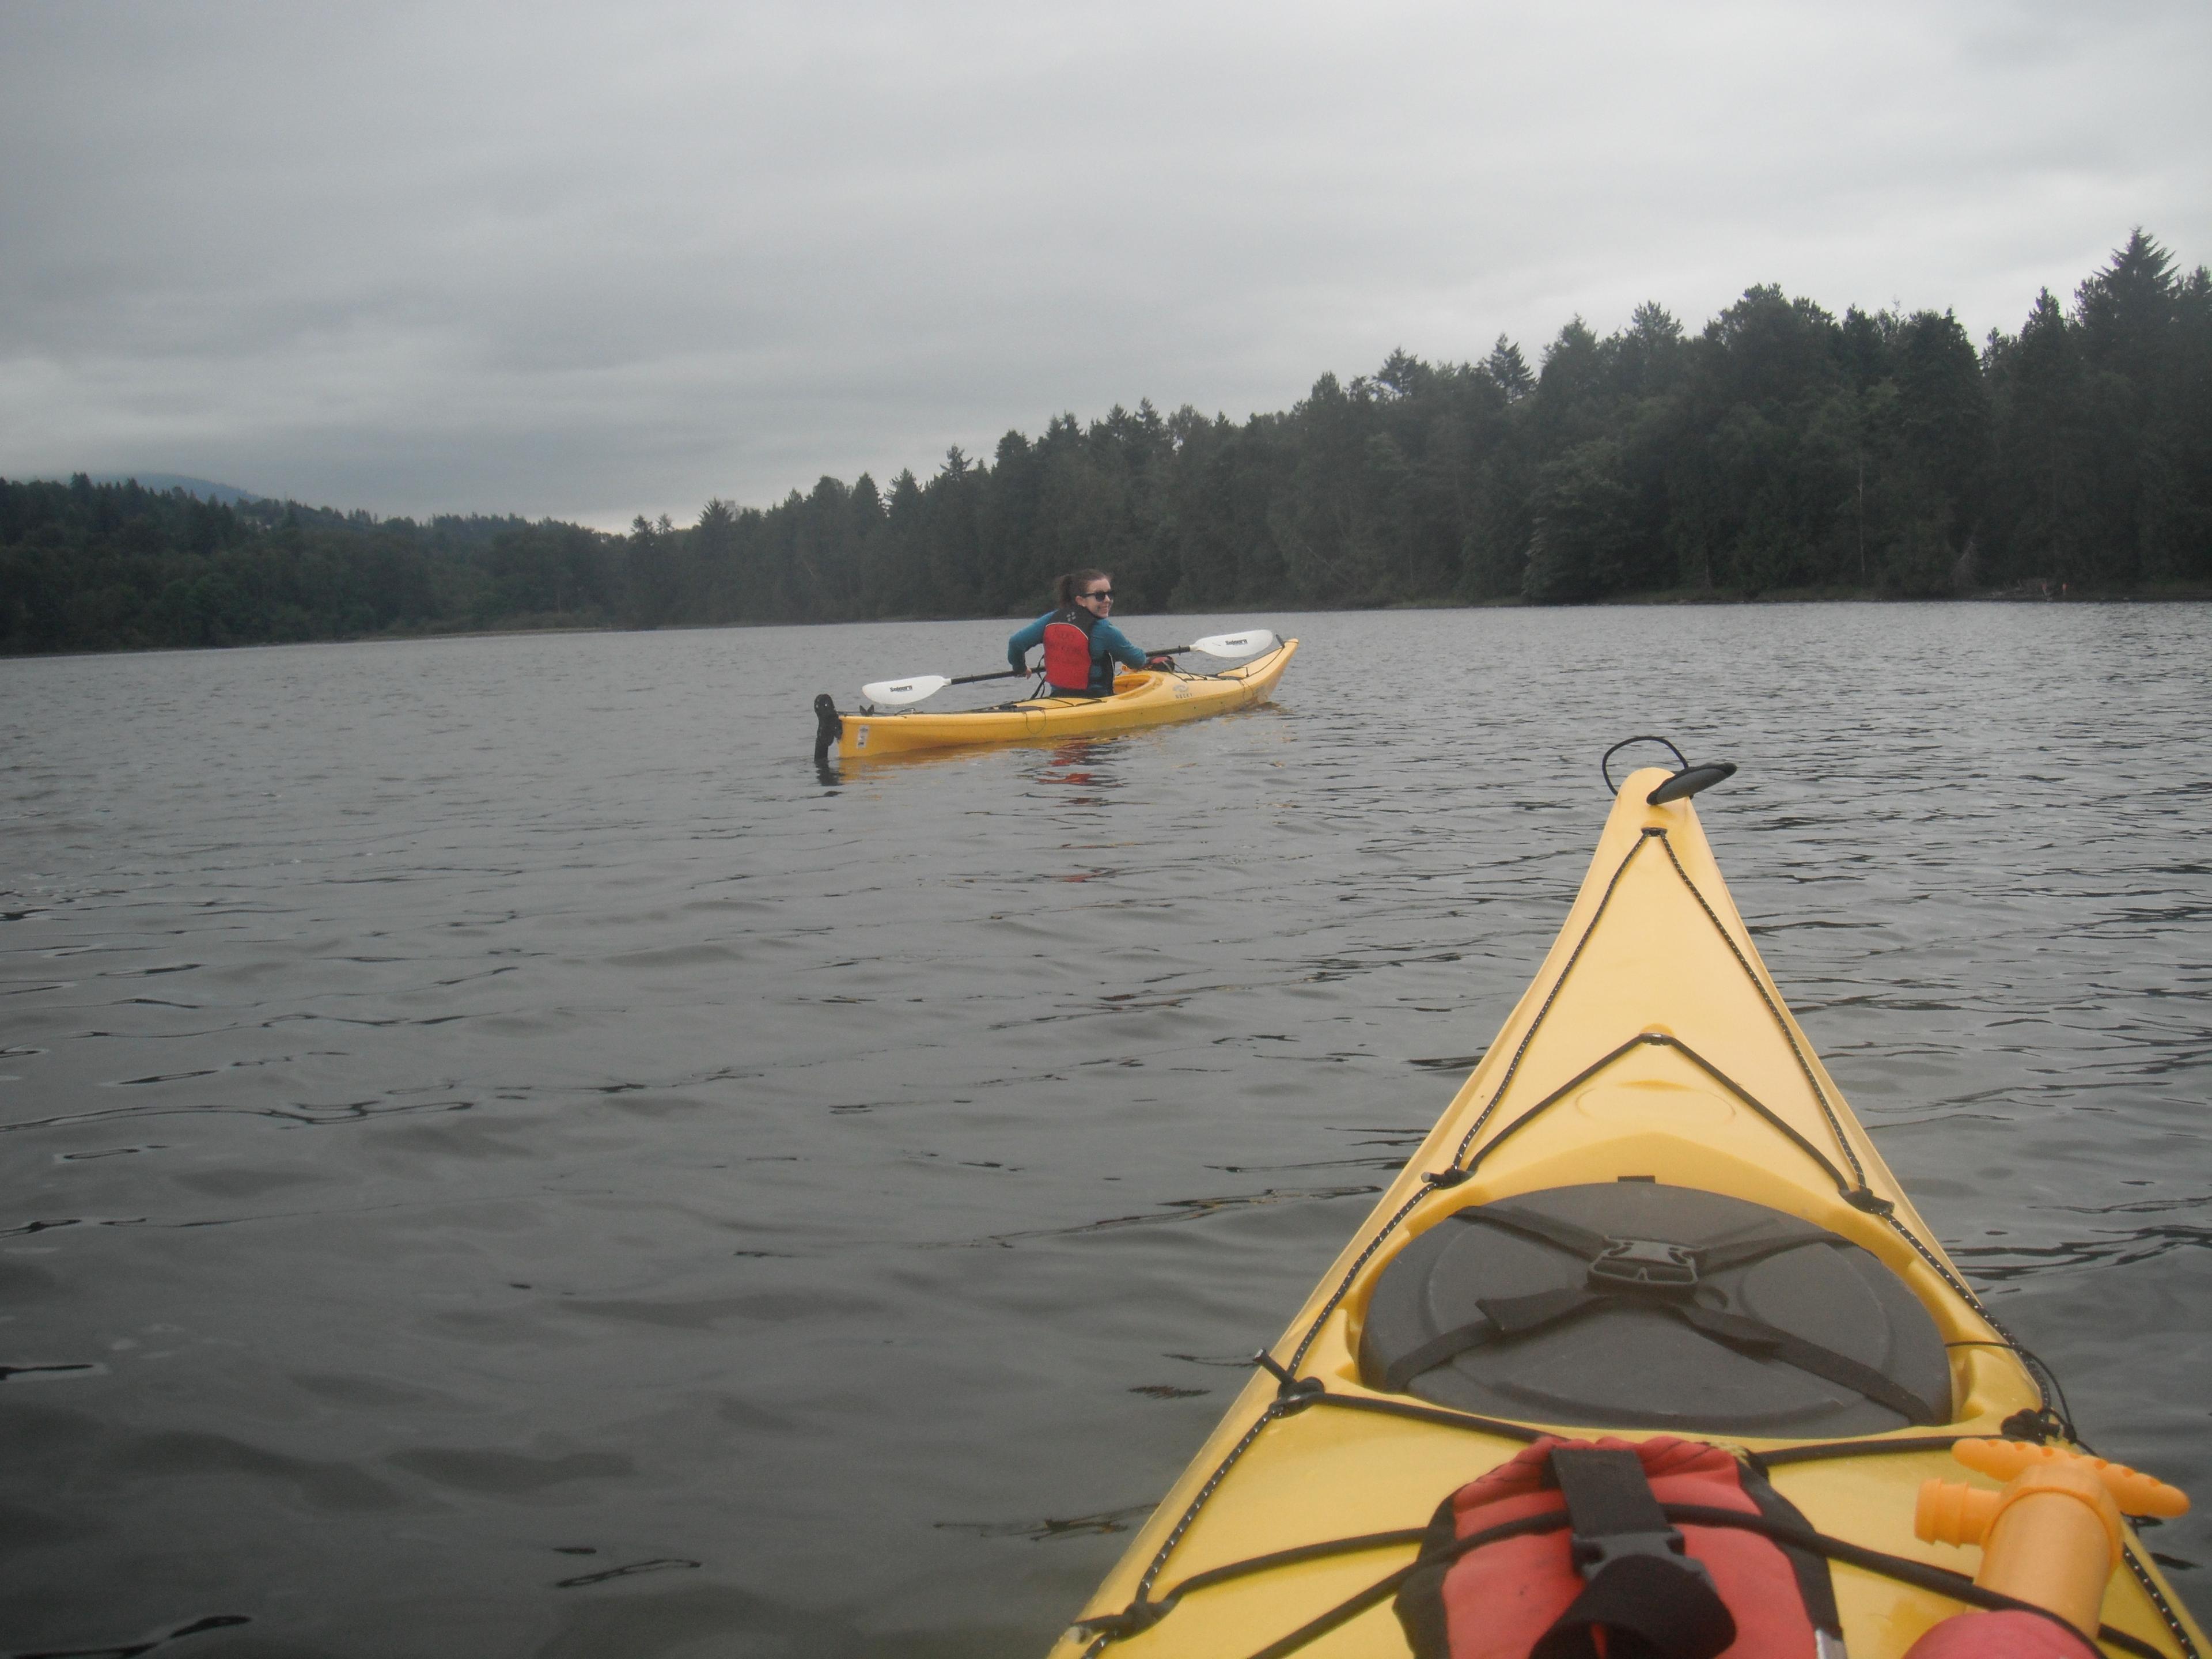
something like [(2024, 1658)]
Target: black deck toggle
[(1687, 781)]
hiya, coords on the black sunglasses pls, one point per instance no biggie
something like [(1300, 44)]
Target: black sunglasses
[(1102, 593)]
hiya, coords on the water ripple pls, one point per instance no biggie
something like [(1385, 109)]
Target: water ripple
[(747, 1181)]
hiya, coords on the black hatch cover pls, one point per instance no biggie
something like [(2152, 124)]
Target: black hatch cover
[(1635, 1305)]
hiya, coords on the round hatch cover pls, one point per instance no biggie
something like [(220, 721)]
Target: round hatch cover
[(1635, 1305)]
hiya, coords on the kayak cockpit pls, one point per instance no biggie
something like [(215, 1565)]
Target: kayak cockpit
[(1633, 1304)]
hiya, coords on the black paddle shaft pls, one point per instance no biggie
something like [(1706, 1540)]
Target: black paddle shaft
[(1003, 674)]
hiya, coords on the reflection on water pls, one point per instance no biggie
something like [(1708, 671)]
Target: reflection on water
[(504, 1156)]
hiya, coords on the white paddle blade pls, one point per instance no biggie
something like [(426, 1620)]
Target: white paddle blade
[(1235, 645), (893, 693)]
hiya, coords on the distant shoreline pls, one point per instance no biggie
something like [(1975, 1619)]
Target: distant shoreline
[(2170, 593), (2160, 593)]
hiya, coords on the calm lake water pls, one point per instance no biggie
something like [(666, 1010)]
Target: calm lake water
[(500, 1158)]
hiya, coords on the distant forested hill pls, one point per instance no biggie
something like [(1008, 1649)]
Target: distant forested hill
[(1779, 448), (87, 567), (206, 489)]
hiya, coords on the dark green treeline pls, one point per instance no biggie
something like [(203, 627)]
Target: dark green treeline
[(1779, 449)]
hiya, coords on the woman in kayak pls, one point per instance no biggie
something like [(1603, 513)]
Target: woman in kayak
[(1080, 646)]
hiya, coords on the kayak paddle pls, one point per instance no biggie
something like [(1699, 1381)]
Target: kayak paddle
[(893, 693), (1250, 644), (915, 687)]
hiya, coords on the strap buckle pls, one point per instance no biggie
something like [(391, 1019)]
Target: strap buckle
[(1647, 1264), (1593, 1555), (1641, 1584)]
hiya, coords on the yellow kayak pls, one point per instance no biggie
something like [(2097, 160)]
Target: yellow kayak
[(1649, 1105), (1147, 698)]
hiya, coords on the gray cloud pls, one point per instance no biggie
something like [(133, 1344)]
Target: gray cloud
[(596, 261)]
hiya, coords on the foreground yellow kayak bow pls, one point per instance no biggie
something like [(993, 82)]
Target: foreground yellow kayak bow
[(1649, 1212)]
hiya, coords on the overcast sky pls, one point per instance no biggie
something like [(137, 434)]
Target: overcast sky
[(596, 260)]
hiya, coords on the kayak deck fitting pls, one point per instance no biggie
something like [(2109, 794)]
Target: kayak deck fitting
[(1145, 697), (1648, 1211)]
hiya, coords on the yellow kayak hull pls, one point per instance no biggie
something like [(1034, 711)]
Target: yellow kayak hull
[(1652, 1044), (1138, 700)]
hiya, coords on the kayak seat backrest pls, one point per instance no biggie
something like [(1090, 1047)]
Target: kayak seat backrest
[(1632, 1305)]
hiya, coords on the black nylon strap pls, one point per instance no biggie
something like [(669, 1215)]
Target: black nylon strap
[(1816, 1586), (1769, 1238), (1445, 1345), (1757, 1336), (1516, 1316), (1503, 1317), (1607, 1493), (1585, 1242), (1420, 1602), (1643, 1590)]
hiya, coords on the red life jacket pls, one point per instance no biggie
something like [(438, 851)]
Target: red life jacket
[(2001, 1635), (1618, 1566), (1066, 654)]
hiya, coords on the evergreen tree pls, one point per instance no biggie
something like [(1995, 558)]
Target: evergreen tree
[(1508, 370)]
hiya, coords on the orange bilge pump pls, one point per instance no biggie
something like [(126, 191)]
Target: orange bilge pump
[(2052, 1536)]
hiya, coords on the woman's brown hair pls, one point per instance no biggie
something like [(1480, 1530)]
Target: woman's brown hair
[(1068, 586)]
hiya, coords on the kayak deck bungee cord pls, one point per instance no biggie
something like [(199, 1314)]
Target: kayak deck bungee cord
[(1647, 1228), (1139, 699)]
